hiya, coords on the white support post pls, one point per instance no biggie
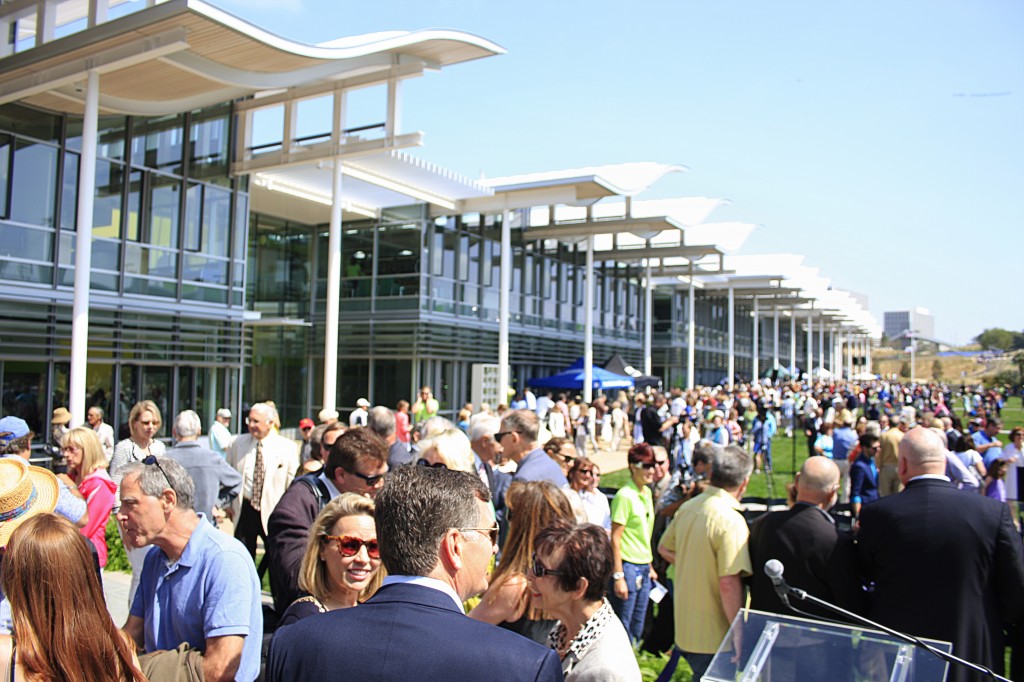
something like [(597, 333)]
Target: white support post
[(756, 373), (83, 252), (648, 312), (832, 350), (393, 122), (505, 278), (810, 346), (775, 345), (691, 333), (792, 344), (46, 21), (849, 354), (588, 327), (98, 12), (867, 355), (731, 379), (333, 312), (821, 345)]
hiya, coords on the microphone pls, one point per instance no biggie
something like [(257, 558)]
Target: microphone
[(773, 569)]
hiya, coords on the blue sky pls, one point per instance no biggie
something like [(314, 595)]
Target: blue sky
[(882, 140)]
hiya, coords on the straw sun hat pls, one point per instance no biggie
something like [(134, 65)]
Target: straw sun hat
[(24, 492)]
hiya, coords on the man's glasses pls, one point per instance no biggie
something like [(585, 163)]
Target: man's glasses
[(435, 465), (152, 460), (539, 570), (370, 480), (499, 435), (350, 546), (661, 462), (492, 532)]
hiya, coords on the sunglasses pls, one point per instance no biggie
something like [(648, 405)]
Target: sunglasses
[(661, 462), (491, 532), (539, 570), (151, 460), (350, 546), (586, 472), (435, 465), (644, 465), (370, 480), (499, 435)]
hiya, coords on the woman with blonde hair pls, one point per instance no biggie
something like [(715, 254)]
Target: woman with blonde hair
[(449, 448), (62, 630), (143, 424), (87, 468), (341, 567), (531, 506)]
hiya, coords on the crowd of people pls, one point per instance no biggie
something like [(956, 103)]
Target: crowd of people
[(382, 531)]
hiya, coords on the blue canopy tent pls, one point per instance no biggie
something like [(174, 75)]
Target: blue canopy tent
[(572, 378)]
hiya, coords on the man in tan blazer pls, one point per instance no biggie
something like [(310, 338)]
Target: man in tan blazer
[(268, 462)]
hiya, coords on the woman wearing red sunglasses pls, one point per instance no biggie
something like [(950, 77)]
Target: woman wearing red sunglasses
[(341, 567)]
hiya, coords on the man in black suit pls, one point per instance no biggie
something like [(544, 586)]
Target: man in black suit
[(817, 556), (946, 564), (436, 533)]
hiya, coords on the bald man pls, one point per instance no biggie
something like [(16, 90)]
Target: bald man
[(946, 564), (818, 557)]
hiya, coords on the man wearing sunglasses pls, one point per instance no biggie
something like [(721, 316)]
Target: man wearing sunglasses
[(414, 627), (356, 462), (518, 440), (198, 586)]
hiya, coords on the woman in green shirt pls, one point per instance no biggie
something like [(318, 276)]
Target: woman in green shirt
[(632, 523)]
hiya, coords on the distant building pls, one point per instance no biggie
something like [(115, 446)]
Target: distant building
[(919, 319)]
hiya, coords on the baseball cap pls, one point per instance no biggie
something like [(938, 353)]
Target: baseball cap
[(12, 428), (306, 423), (363, 402), (224, 413)]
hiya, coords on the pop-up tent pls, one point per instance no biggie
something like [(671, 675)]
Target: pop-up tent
[(572, 378), (617, 365)]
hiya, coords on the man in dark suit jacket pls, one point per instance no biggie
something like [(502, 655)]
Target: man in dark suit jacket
[(352, 457), (946, 564), (436, 533), (817, 556)]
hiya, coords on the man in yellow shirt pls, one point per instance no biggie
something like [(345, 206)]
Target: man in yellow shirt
[(888, 478), (707, 544)]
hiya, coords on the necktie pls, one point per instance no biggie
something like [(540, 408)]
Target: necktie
[(259, 472)]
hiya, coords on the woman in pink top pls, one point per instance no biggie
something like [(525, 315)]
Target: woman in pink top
[(402, 427), (87, 468)]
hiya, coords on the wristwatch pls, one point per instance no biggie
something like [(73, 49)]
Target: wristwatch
[(618, 575)]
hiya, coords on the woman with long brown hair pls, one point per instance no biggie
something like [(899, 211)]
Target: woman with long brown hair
[(531, 506), (65, 635)]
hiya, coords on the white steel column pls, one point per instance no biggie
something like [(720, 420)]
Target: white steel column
[(333, 312), (810, 345), (849, 354), (832, 350), (83, 251), (756, 373), (731, 379), (775, 344), (821, 344), (867, 355), (792, 344), (648, 311), (691, 333), (505, 283), (588, 327)]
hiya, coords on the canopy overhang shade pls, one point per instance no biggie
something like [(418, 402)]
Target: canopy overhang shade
[(617, 365), (572, 378)]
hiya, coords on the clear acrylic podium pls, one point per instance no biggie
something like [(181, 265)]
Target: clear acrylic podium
[(776, 648)]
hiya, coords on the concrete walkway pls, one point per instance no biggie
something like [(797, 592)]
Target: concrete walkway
[(115, 590)]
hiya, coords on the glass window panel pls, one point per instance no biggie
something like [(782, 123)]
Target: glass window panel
[(450, 253), (142, 261), (157, 143), (208, 145), (193, 217), (192, 292), (22, 120), (106, 213), (26, 243), (134, 205), (216, 221), (110, 136), (398, 249), (6, 146), (203, 269), (69, 191), (35, 183), (392, 381), (163, 211), (24, 394), (436, 251), (462, 258), (241, 227), (156, 386), (150, 287)]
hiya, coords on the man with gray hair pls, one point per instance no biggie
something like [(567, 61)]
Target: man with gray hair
[(268, 462), (198, 586), (381, 421), (216, 482), (486, 452), (934, 544), (518, 440), (706, 542), (414, 626)]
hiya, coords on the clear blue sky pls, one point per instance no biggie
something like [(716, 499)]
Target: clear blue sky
[(883, 140)]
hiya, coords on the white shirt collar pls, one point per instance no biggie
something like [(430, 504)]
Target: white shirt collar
[(331, 490), (935, 477), (432, 583)]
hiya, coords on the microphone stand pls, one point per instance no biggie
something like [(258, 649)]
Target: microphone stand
[(804, 596)]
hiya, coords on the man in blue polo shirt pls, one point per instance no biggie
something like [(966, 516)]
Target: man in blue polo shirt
[(198, 585), (843, 440), (986, 443), (518, 440)]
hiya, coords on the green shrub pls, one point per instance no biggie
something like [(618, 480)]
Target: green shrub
[(117, 560)]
